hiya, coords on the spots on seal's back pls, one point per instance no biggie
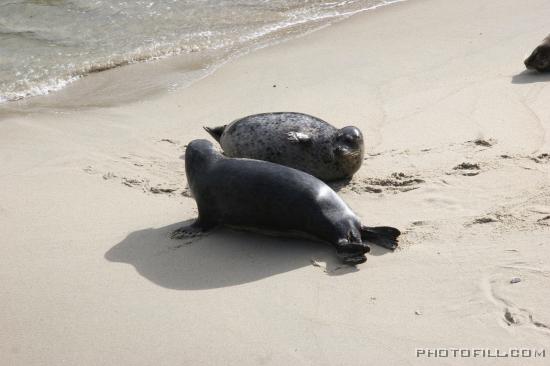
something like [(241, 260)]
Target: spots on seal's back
[(266, 137)]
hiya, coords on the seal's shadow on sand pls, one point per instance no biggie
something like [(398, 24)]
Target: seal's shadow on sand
[(529, 76), (222, 258)]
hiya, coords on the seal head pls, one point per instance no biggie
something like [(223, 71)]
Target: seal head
[(199, 153), (349, 149), (540, 58)]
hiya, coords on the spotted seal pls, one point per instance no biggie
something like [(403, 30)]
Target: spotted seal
[(540, 58), (296, 140), (260, 195)]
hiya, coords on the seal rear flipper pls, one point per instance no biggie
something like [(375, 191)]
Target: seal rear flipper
[(352, 258), (385, 236), (215, 132), (351, 253)]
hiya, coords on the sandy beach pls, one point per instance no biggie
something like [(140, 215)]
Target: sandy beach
[(457, 139)]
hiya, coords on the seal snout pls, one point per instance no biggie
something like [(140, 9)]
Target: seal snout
[(539, 59), (527, 63)]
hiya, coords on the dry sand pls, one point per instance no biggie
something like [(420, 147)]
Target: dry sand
[(456, 134)]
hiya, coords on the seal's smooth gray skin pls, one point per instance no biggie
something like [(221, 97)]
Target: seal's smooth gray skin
[(296, 140), (540, 58), (255, 194)]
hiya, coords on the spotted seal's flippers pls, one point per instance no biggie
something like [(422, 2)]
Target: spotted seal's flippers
[(299, 137), (215, 132), (384, 236)]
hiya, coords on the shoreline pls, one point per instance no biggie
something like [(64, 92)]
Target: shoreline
[(126, 83), (457, 137)]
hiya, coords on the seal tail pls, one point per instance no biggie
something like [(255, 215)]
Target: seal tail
[(384, 236), (215, 132)]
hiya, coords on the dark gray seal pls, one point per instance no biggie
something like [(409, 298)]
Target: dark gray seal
[(540, 58), (259, 195), (296, 140)]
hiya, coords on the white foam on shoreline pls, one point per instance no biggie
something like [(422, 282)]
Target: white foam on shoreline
[(267, 35)]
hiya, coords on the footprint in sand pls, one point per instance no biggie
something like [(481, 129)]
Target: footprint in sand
[(530, 212), (141, 183), (146, 186), (157, 173), (541, 158), (505, 220), (467, 169), (483, 142), (395, 183), (332, 269), (485, 220), (507, 288), (544, 221)]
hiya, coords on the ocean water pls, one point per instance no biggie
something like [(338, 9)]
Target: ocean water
[(47, 44)]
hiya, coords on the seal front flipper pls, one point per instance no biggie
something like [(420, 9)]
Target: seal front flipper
[(299, 137), (215, 132), (385, 236), (197, 228)]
